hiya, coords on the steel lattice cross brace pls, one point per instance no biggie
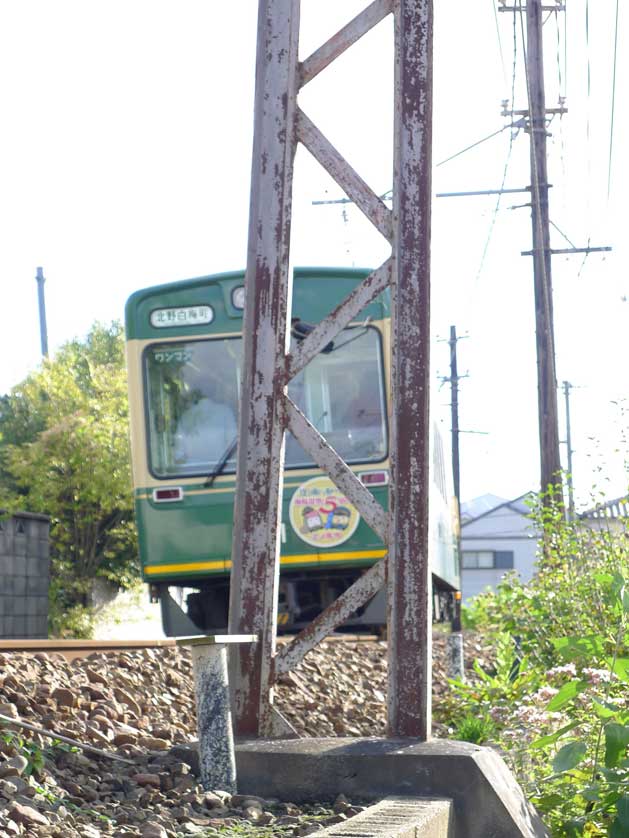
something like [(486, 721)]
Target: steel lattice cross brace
[(267, 412)]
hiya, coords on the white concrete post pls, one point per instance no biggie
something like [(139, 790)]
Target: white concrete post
[(214, 721)]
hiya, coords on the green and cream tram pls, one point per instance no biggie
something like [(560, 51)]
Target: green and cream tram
[(184, 353)]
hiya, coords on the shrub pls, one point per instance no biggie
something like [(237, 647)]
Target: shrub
[(557, 695)]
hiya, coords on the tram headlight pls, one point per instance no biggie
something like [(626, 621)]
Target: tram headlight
[(238, 297)]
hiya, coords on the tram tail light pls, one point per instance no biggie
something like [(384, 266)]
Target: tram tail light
[(168, 495), (374, 478)]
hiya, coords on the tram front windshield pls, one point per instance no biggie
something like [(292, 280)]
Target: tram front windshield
[(192, 392)]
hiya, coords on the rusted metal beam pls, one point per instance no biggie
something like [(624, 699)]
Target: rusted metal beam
[(351, 183), (257, 514), (265, 406), (340, 473), (409, 685), (289, 656), (344, 39), (338, 319)]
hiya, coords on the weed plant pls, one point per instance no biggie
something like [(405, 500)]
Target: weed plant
[(555, 701)]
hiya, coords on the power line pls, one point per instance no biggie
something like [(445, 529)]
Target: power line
[(512, 137), (561, 233), (611, 125), (588, 143), (502, 58), (473, 145)]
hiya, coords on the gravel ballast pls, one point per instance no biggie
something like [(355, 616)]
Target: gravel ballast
[(138, 705)]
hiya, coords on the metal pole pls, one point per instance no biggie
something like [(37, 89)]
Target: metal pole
[(454, 414), (566, 390), (43, 331), (456, 472), (266, 409), (550, 462), (409, 588), (257, 513)]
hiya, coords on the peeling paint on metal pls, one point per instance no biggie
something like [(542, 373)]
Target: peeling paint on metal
[(341, 475), (409, 573), (290, 655)]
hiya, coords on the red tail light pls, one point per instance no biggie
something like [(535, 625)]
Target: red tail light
[(168, 495), (374, 478)]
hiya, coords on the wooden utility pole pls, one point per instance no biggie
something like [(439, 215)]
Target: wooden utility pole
[(550, 462)]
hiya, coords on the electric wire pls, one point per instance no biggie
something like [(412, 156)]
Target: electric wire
[(562, 98), (565, 47), (536, 201), (473, 145), (502, 58), (512, 137), (558, 54), (561, 233), (588, 144), (613, 111)]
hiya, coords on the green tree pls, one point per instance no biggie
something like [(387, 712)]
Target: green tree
[(64, 452)]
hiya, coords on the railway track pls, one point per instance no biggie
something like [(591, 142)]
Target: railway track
[(72, 649)]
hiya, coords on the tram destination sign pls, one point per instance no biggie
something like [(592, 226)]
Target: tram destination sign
[(165, 318)]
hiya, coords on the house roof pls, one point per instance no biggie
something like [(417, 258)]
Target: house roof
[(521, 505), (471, 509)]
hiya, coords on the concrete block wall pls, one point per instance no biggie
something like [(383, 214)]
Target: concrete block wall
[(24, 575)]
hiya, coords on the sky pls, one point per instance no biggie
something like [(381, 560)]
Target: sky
[(125, 161)]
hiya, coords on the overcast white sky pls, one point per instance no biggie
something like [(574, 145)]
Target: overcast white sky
[(126, 156)]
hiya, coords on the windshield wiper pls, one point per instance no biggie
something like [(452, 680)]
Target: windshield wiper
[(220, 466)]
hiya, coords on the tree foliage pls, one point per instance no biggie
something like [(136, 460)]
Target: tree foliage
[(64, 452)]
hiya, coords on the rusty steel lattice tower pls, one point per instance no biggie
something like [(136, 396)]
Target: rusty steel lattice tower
[(267, 412)]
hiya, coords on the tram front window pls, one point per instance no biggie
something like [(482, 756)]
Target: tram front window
[(192, 399)]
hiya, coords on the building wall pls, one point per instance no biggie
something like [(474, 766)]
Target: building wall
[(504, 529), (524, 557)]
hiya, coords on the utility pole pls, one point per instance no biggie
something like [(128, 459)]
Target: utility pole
[(43, 332), (566, 391), (456, 639), (550, 462), (454, 413)]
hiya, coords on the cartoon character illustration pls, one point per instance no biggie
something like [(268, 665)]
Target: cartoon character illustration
[(328, 511), (340, 518), (321, 515), (312, 520)]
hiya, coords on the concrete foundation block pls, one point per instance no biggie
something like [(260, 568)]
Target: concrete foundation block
[(486, 800)]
